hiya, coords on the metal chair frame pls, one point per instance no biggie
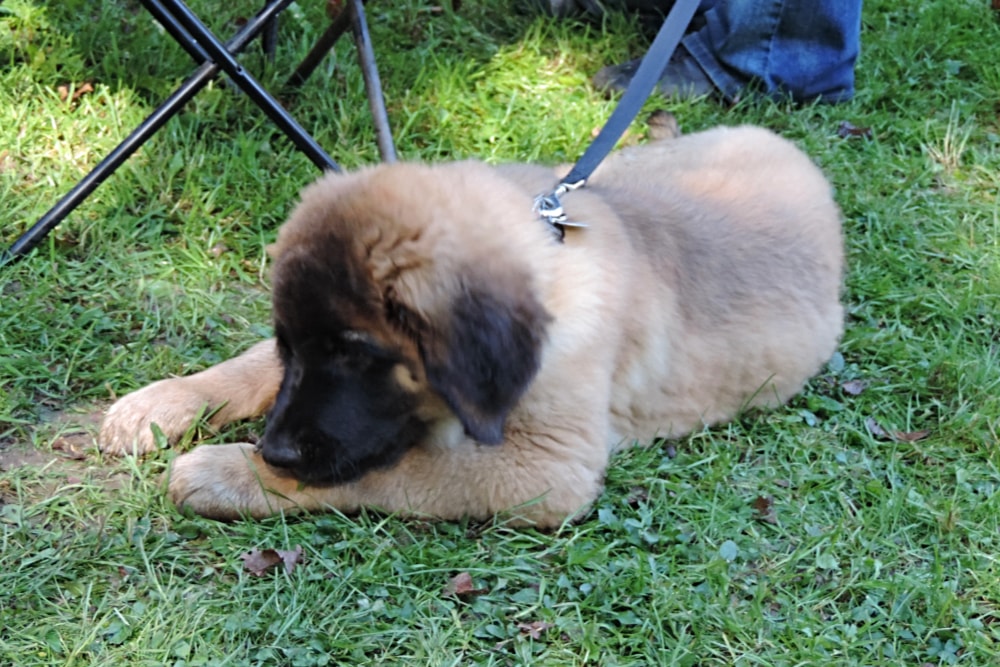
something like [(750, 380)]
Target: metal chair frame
[(213, 57)]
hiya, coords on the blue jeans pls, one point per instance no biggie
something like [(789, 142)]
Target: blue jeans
[(803, 49)]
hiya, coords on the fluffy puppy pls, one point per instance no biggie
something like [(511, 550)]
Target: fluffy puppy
[(439, 352)]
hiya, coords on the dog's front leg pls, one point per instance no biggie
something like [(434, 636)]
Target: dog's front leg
[(541, 483), (240, 388)]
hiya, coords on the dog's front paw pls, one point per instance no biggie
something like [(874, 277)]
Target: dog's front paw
[(228, 482), (170, 404)]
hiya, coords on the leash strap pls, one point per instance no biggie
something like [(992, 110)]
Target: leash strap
[(548, 206)]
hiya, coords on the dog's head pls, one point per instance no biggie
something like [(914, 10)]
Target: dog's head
[(392, 312)]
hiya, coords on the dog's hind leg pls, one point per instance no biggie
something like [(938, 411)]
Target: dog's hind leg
[(240, 388)]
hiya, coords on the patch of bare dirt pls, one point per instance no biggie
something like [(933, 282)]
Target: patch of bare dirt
[(68, 454)]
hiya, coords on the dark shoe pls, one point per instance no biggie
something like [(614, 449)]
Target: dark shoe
[(682, 78)]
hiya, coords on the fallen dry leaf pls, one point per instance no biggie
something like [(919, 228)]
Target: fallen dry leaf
[(636, 496), (534, 629), (259, 561), (662, 124), (82, 89), (847, 130), (910, 436), (854, 387), (900, 436), (763, 508), (875, 428), (68, 449), (461, 586)]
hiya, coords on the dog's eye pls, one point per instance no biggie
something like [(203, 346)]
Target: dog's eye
[(348, 343), (349, 336), (357, 349)]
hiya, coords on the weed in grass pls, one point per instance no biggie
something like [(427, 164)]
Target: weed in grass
[(822, 533)]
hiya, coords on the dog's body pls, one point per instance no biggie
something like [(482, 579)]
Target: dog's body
[(440, 353)]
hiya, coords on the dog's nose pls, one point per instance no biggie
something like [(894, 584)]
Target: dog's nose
[(280, 454)]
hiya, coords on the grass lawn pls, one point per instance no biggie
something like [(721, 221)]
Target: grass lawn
[(856, 526)]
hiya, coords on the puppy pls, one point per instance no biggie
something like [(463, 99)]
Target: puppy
[(439, 352)]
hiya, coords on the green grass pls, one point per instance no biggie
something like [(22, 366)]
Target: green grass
[(823, 533)]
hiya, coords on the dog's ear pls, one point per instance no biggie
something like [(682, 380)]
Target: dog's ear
[(485, 357)]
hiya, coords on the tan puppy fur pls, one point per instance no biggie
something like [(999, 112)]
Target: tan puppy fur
[(706, 281)]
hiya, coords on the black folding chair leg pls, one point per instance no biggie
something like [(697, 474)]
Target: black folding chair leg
[(320, 49), (208, 70), (176, 30), (269, 40), (248, 84), (213, 56), (373, 85), (268, 37), (353, 16)]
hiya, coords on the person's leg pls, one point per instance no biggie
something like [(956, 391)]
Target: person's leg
[(805, 50)]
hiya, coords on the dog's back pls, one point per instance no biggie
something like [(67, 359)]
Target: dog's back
[(740, 239)]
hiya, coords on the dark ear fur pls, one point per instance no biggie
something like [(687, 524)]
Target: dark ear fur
[(486, 357)]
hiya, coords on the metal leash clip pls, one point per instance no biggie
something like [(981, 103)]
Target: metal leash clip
[(549, 208)]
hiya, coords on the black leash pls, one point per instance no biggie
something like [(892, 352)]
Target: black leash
[(548, 207)]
